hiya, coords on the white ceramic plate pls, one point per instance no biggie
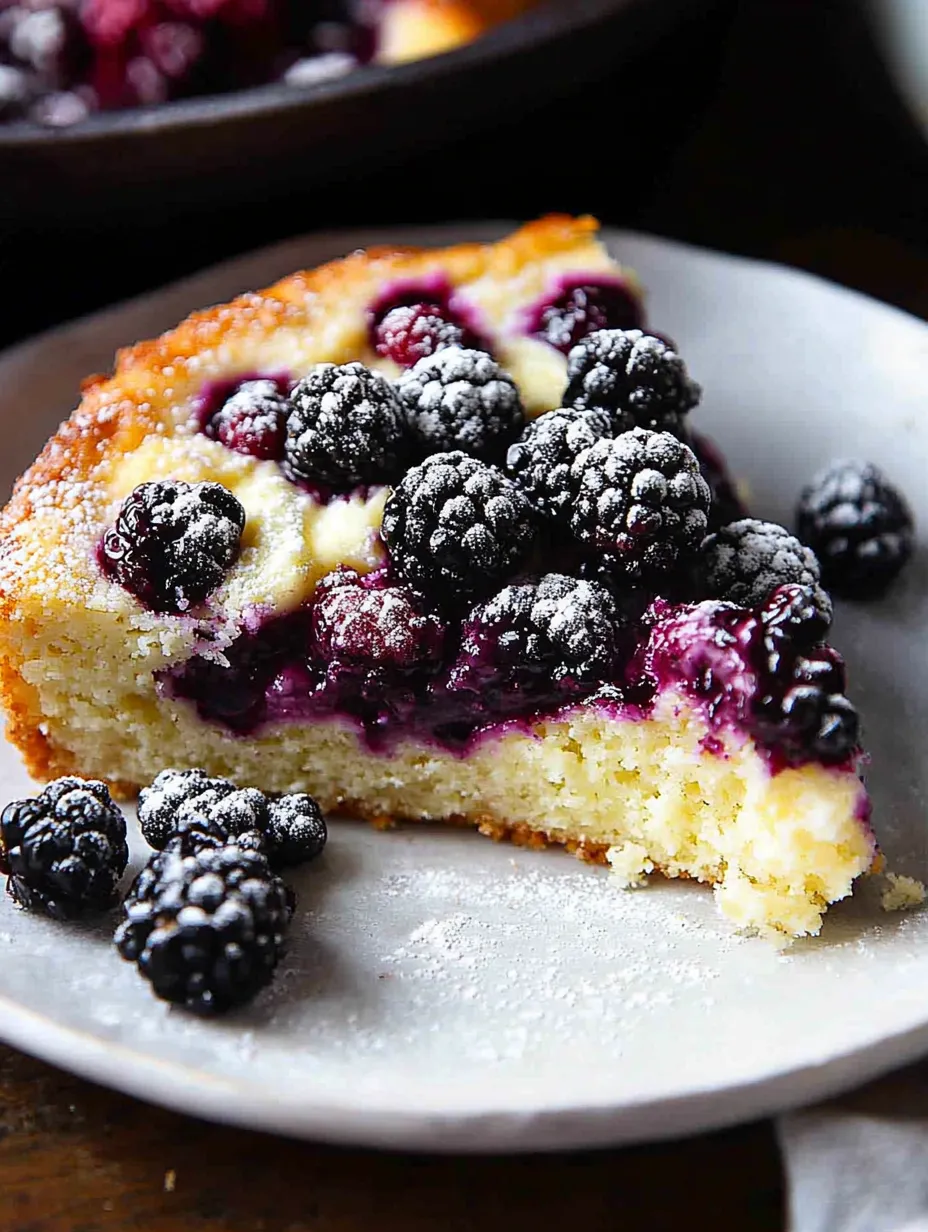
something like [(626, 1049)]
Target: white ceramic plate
[(444, 992)]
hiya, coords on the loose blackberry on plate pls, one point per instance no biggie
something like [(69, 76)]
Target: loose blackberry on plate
[(859, 525), (173, 542), (641, 501), (635, 376), (540, 460), (459, 398), (65, 850), (455, 528), (747, 560), (292, 826), (347, 427), (206, 929)]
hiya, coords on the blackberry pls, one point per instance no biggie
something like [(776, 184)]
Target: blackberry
[(173, 542), (291, 827), (64, 851), (296, 829), (540, 460), (253, 420), (559, 628), (378, 634), (409, 332), (456, 528), (205, 928), (859, 525), (458, 398), (763, 670), (630, 373), (803, 613), (640, 501), (347, 427), (801, 708), (746, 561)]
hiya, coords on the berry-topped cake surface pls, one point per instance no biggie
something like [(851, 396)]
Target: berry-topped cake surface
[(433, 535)]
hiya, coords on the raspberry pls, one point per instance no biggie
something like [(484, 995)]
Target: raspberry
[(540, 460), (291, 828), (746, 561), (461, 399), (206, 928), (581, 309), (64, 851), (173, 542), (457, 528), (560, 628), (347, 427), (253, 420), (641, 502), (630, 373), (409, 332), (859, 526)]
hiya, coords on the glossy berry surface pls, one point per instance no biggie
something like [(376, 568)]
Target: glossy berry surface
[(206, 929), (631, 374), (64, 851), (347, 427), (540, 460), (859, 525), (580, 309), (461, 399), (253, 420), (745, 561), (173, 542), (641, 501), (456, 528), (291, 829), (775, 684)]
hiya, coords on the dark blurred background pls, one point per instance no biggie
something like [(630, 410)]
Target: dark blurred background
[(767, 127)]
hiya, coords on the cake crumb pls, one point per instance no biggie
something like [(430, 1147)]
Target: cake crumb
[(901, 893), (170, 1180), (630, 864)]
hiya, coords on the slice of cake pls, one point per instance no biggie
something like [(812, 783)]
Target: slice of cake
[(428, 535)]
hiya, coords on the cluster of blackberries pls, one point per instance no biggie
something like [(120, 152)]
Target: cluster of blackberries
[(206, 918), (345, 425), (608, 472)]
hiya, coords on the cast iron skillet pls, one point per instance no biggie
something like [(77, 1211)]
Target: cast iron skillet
[(251, 144)]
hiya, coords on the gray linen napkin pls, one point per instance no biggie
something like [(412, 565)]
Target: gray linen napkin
[(860, 1163)]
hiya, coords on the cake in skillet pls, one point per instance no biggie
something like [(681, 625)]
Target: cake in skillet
[(428, 534), (60, 60)]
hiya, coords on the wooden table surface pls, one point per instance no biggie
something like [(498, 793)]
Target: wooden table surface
[(789, 146), (77, 1158)]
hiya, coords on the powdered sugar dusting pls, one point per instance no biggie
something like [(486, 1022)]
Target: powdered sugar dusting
[(746, 561)]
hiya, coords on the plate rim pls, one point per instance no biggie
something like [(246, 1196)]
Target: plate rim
[(419, 1124)]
